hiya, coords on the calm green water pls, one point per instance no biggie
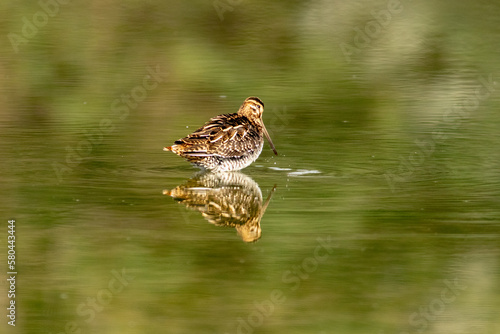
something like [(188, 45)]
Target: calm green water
[(383, 205)]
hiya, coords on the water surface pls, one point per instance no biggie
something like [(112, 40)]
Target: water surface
[(383, 212)]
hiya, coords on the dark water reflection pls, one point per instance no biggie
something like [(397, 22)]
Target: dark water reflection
[(386, 214)]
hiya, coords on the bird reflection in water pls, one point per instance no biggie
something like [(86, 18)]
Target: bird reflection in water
[(229, 199)]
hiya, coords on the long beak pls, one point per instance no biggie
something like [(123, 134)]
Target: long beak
[(269, 138), (264, 207)]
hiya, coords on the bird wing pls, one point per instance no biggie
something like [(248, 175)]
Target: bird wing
[(227, 135)]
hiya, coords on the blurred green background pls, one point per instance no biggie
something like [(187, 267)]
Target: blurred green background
[(385, 115)]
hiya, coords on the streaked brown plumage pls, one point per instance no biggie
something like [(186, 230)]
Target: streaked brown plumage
[(227, 142), (225, 199)]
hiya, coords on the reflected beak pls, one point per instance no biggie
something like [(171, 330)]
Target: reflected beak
[(269, 138)]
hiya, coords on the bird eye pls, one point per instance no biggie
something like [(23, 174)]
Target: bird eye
[(255, 107)]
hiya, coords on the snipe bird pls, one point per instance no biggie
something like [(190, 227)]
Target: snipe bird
[(225, 199), (227, 142)]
